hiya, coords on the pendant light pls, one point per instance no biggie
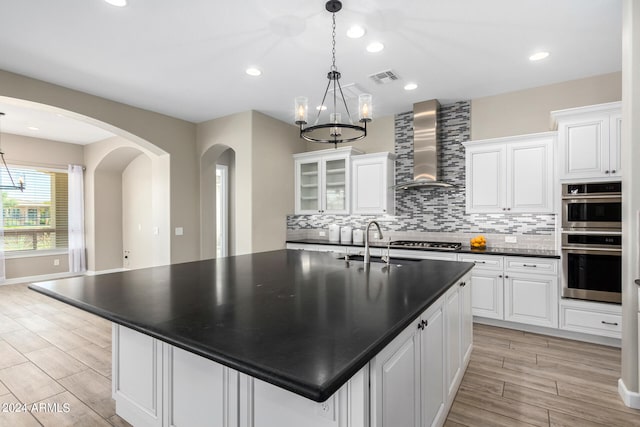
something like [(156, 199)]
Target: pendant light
[(13, 185), (334, 131)]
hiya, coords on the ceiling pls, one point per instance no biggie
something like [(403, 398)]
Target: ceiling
[(187, 59)]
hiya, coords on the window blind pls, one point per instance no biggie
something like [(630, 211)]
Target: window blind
[(36, 218)]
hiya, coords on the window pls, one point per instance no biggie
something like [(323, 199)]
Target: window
[(222, 203), (35, 219)]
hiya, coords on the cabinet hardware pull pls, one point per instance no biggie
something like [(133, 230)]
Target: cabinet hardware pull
[(420, 326), (613, 171), (424, 324), (530, 265), (463, 284), (610, 323), (506, 277), (508, 209), (479, 262), (606, 171), (500, 276)]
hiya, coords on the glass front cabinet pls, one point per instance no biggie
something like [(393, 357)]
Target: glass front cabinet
[(322, 181)]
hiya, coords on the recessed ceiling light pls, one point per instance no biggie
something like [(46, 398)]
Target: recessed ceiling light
[(321, 107), (119, 3), (253, 72), (410, 86), (375, 47), (33, 128), (355, 32), (538, 56)]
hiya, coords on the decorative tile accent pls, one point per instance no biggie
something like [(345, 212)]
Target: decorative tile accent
[(432, 209)]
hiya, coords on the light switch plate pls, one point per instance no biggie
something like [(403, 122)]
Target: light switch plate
[(322, 234), (510, 239), (179, 231)]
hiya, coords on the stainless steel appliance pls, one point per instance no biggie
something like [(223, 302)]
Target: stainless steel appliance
[(592, 266), (592, 206), (592, 241), (408, 244)]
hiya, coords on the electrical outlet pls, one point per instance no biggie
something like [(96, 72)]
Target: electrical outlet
[(510, 239), (56, 262), (376, 235), (322, 233)]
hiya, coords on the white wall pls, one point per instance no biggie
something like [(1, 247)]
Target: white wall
[(137, 213), (630, 194)]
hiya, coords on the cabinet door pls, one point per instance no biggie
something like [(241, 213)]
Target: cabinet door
[(466, 318), (335, 173), (370, 185), (432, 346), (531, 299), (453, 334), (308, 187), (615, 139), (395, 382), (584, 147), (485, 179), (487, 293), (530, 177)]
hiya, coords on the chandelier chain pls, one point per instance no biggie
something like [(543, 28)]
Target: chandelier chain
[(333, 43)]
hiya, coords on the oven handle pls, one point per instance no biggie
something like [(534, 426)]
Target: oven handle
[(590, 197), (594, 251)]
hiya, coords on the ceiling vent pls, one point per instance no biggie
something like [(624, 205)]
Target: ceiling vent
[(350, 91), (384, 77)]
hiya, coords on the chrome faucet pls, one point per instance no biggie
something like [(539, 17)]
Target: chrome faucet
[(367, 255)]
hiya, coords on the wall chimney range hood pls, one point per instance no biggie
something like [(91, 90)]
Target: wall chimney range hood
[(425, 147)]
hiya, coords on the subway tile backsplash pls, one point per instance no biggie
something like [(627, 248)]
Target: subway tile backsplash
[(437, 213)]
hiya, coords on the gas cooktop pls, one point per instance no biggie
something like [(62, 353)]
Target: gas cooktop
[(450, 246)]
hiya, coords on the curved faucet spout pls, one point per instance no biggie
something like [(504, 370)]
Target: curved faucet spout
[(367, 255)]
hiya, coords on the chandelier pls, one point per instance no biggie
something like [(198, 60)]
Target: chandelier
[(13, 185), (334, 131)]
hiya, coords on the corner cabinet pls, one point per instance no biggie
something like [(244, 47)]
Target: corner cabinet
[(373, 177), (510, 175), (589, 141), (322, 181)]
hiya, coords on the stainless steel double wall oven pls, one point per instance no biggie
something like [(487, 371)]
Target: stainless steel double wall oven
[(592, 241)]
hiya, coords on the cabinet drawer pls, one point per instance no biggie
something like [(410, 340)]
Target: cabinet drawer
[(483, 261), (591, 322), (531, 265)]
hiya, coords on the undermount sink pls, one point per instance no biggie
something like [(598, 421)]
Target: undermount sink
[(377, 259)]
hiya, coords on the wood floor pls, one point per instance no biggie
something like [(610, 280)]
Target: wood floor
[(521, 379), (55, 354)]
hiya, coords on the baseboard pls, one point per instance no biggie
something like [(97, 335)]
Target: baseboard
[(630, 398), (40, 278), (112, 270), (560, 333)]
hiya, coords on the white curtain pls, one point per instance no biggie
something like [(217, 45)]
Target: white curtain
[(77, 250)]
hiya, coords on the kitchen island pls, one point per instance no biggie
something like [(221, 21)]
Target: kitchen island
[(280, 338)]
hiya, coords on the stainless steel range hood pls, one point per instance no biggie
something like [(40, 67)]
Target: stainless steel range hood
[(425, 147)]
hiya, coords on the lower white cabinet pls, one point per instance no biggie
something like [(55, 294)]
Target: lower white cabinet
[(415, 378), (531, 299), (516, 289)]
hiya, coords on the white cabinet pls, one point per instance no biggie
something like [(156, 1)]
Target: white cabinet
[(591, 318), (510, 175), (515, 289), (322, 181), (487, 289), (589, 141), (373, 177), (415, 378)]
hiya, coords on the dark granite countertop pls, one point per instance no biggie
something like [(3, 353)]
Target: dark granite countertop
[(537, 253), (301, 320)]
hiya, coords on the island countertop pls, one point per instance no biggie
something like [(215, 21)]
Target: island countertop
[(303, 321)]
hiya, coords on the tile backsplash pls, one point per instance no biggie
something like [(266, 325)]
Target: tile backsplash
[(437, 213)]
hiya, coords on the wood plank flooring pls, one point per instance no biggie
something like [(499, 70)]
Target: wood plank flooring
[(517, 378), (53, 353)]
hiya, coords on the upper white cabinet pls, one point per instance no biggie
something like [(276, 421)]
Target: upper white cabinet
[(322, 181), (589, 141), (510, 175), (373, 177)]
